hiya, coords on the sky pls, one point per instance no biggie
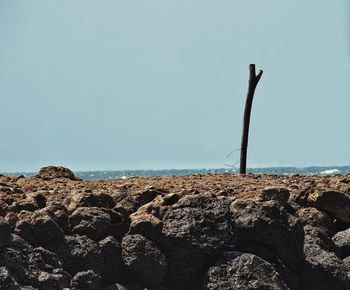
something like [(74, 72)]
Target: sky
[(97, 85)]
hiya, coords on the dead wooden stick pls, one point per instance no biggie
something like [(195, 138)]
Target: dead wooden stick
[(253, 82)]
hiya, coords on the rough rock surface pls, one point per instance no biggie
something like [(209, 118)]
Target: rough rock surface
[(322, 269), (335, 202), (5, 233), (146, 263), (241, 271), (195, 230), (53, 172), (268, 225), (212, 231), (87, 280), (342, 240)]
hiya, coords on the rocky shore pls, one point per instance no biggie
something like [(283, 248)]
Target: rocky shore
[(220, 231)]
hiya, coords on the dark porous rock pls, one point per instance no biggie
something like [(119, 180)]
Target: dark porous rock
[(76, 200), (127, 205), (342, 240), (170, 199), (333, 202), (7, 282), (194, 231), (119, 224), (319, 236), (34, 267), (129, 286), (53, 172), (314, 217), (39, 199), (24, 230), (266, 223), (90, 221), (322, 269), (56, 280), (146, 225), (78, 253), (146, 220), (346, 262), (86, 280), (146, 263), (39, 227), (113, 267), (242, 271), (279, 194), (146, 196), (45, 229), (27, 204), (5, 233), (11, 218), (58, 213)]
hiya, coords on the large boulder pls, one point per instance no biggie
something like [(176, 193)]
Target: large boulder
[(146, 221), (29, 266), (342, 240), (322, 269), (279, 194), (314, 217), (53, 172), (7, 282), (58, 213), (242, 271), (268, 225), (38, 228), (45, 229), (5, 233), (78, 253), (195, 230), (90, 221), (86, 280), (113, 266), (88, 199), (146, 263), (333, 202)]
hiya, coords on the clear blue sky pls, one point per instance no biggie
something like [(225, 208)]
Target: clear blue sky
[(161, 83)]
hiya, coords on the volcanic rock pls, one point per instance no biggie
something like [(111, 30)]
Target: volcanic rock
[(78, 253), (34, 267), (113, 267), (7, 282), (53, 172), (334, 202), (267, 224), (86, 280), (342, 240), (242, 271), (316, 218), (279, 194), (146, 263), (195, 230), (322, 269), (90, 221), (5, 233)]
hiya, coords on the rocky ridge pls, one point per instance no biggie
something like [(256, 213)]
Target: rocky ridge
[(219, 231)]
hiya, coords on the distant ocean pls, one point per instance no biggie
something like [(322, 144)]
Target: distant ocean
[(124, 174)]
